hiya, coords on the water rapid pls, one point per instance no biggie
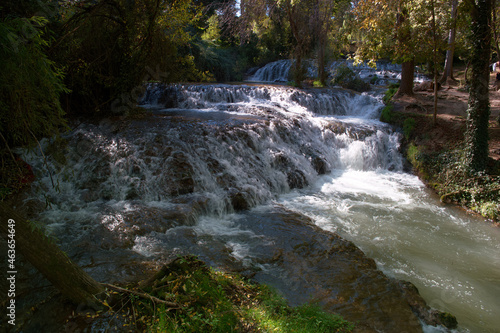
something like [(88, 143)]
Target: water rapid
[(227, 171)]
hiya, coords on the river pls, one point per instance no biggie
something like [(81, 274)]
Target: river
[(219, 171)]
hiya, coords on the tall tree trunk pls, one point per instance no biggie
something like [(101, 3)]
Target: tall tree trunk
[(407, 76), (321, 62), (72, 281), (478, 111), (434, 54), (448, 66), (407, 67), (494, 26)]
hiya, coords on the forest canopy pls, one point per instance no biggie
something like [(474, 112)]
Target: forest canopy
[(91, 57)]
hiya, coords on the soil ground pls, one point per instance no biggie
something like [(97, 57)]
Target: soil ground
[(451, 115)]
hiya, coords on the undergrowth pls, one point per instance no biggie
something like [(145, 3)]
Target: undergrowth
[(188, 296), (445, 171), (347, 78)]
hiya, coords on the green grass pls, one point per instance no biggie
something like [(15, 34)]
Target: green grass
[(214, 301)]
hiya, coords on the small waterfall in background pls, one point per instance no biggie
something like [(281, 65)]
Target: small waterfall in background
[(225, 171), (380, 74)]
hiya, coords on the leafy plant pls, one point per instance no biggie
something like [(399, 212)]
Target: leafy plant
[(31, 84), (345, 77), (202, 299), (408, 126), (393, 89)]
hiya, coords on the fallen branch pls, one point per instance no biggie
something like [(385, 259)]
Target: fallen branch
[(172, 305)]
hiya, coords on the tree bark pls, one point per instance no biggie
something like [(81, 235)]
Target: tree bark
[(72, 281), (478, 111), (434, 55), (407, 76), (407, 67), (448, 66), (494, 28)]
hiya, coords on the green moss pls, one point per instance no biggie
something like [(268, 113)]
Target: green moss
[(408, 126), (345, 77), (387, 114), (213, 301), (389, 94), (448, 320)]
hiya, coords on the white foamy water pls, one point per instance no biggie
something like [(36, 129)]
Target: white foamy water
[(173, 184), (452, 258)]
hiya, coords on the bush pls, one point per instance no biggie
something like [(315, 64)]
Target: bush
[(387, 114), (31, 84), (393, 89), (408, 127), (346, 78)]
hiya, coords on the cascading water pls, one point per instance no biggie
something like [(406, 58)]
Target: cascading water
[(383, 73), (218, 171)]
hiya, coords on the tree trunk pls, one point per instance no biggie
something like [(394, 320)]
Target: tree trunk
[(448, 66), (478, 111), (434, 55), (494, 28), (407, 75), (321, 62), (407, 67), (48, 259)]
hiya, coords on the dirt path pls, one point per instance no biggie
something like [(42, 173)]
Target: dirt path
[(451, 116)]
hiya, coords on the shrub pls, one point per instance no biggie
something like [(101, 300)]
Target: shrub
[(408, 127), (345, 77), (387, 114), (393, 89)]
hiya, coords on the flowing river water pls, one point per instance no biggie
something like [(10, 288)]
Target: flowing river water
[(225, 171)]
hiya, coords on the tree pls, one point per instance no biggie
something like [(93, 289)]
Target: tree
[(48, 259), (406, 31), (110, 47), (448, 66), (321, 21), (31, 83), (386, 31), (478, 111)]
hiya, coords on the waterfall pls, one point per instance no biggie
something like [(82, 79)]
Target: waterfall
[(220, 170), (277, 71), (381, 73)]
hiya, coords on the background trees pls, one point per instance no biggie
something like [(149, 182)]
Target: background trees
[(478, 112), (88, 57)]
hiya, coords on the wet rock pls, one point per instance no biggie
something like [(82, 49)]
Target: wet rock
[(239, 200), (170, 97), (319, 265), (423, 311), (320, 165), (179, 174), (296, 179)]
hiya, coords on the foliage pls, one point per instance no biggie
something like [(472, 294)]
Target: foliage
[(345, 77), (214, 301), (31, 83), (393, 89), (478, 111), (387, 114), (408, 126), (110, 47), (318, 84), (401, 31)]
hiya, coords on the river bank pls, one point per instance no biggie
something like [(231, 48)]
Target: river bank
[(434, 150)]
